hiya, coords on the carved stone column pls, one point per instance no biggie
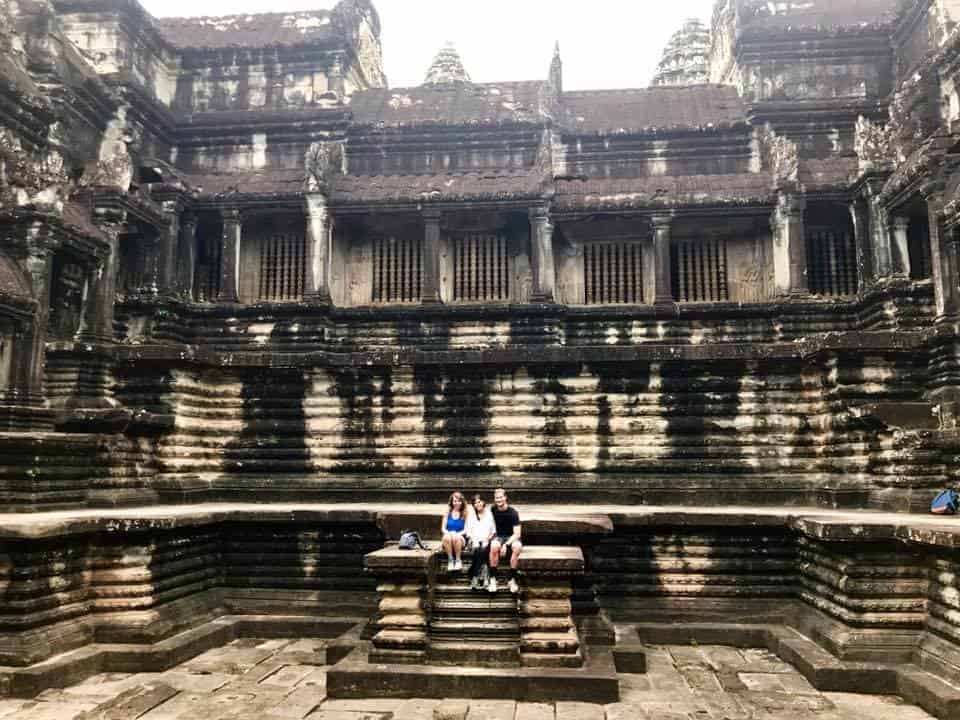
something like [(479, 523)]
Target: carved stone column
[(789, 246), (541, 256), (900, 246), (944, 261), (319, 231), (662, 280), (101, 294), (879, 231), (230, 255), (431, 256), (860, 216), (187, 255), (169, 243), (28, 381)]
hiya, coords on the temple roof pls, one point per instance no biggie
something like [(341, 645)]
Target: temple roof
[(475, 186), (257, 30), (447, 67), (267, 182), (664, 191), (450, 104), (76, 216), (608, 112), (820, 14), (11, 281)]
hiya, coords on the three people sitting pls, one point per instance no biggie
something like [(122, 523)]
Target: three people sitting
[(492, 533)]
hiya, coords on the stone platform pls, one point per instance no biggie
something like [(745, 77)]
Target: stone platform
[(257, 679)]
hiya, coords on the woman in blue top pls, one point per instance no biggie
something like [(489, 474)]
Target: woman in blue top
[(452, 528)]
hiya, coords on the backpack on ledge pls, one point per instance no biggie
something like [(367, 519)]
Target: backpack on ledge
[(945, 503), (410, 540)]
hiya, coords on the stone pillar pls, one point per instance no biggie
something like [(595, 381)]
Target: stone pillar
[(548, 635), (27, 380), (169, 243), (879, 232), (101, 292), (789, 246), (230, 255), (431, 257), (187, 255), (403, 581), (541, 256), (319, 231), (662, 280), (900, 246), (944, 265), (860, 216)]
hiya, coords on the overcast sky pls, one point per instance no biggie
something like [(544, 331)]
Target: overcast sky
[(604, 43)]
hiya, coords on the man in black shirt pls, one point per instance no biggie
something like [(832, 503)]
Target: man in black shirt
[(506, 544)]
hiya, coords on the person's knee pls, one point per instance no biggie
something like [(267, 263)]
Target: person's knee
[(516, 547)]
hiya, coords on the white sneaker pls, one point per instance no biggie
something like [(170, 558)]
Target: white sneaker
[(450, 562), (475, 583), (492, 587), (458, 565), (514, 588)]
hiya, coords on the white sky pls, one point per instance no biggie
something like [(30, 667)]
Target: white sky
[(604, 43)]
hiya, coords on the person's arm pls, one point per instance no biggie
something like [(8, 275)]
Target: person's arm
[(443, 525), (516, 535)]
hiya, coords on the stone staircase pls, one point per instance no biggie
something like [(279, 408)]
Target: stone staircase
[(473, 627)]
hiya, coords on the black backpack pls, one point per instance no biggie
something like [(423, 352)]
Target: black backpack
[(410, 540)]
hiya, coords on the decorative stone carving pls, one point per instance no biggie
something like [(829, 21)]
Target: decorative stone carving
[(780, 156), (114, 167), (324, 161), (874, 145), (26, 180), (685, 59)]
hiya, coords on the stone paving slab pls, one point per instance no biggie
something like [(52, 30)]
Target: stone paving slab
[(256, 683)]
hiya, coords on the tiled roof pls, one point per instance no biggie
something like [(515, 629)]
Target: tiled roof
[(665, 191), (433, 188), (247, 31), (450, 104), (652, 109), (251, 182), (822, 14), (828, 173), (11, 281), (76, 216)]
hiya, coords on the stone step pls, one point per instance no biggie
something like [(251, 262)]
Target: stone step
[(476, 627), (497, 603), (458, 652)]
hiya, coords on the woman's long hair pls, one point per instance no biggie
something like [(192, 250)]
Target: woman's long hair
[(473, 505), (463, 504)]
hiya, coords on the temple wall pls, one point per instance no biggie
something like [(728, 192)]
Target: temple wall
[(628, 157), (116, 46)]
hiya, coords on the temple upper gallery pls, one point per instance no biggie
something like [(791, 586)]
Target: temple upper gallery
[(235, 263)]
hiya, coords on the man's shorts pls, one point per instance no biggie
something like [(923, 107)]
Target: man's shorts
[(503, 541)]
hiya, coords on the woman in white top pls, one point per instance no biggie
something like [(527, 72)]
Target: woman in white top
[(480, 530)]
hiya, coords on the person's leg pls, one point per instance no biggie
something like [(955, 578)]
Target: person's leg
[(494, 553), (457, 543), (515, 549), (447, 545), (494, 561)]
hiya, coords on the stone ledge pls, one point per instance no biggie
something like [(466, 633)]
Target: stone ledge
[(821, 669), (595, 682), (824, 524), (77, 665)]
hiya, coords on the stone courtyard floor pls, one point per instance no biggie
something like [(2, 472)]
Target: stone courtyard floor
[(275, 680)]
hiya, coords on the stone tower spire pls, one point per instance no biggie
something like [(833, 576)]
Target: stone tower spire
[(446, 68), (556, 70), (685, 59)]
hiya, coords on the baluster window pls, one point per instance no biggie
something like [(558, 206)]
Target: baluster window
[(397, 270), (613, 273), (283, 267), (481, 268), (699, 270), (831, 261)]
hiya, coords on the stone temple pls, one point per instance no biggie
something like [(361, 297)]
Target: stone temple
[(260, 313)]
